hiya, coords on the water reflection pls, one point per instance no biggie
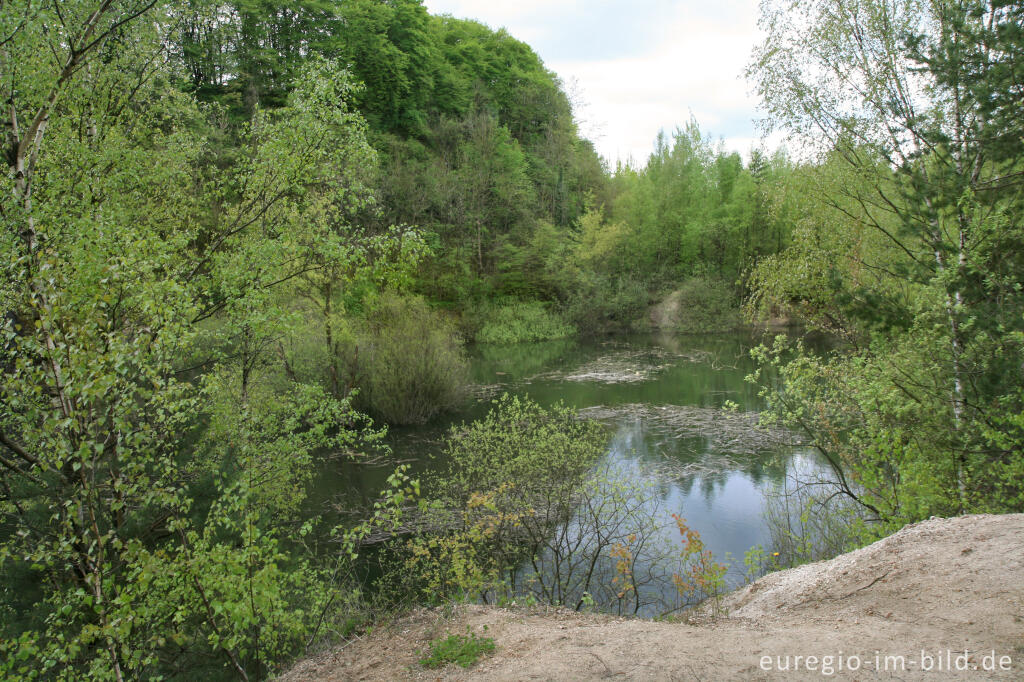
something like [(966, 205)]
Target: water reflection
[(724, 505), (715, 480)]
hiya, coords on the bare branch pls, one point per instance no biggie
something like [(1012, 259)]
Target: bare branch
[(17, 449)]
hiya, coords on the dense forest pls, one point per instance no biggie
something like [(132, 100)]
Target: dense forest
[(241, 237)]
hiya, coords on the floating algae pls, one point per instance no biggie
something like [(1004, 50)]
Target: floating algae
[(627, 366), (736, 433), (620, 367), (487, 392)]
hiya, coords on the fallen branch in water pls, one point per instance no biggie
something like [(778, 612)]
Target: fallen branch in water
[(737, 433)]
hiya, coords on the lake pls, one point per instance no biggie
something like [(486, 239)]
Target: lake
[(662, 399)]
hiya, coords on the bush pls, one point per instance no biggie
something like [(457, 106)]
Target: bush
[(534, 448), (698, 306), (409, 364), (529, 511), (521, 321), (602, 304), (518, 469), (808, 522)]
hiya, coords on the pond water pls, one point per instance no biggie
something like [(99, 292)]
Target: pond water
[(661, 396)]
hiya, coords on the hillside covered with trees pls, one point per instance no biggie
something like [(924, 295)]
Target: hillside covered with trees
[(241, 239)]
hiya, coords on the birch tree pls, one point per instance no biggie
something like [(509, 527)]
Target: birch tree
[(152, 457), (904, 94)]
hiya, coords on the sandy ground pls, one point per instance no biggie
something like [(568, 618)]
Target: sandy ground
[(905, 608)]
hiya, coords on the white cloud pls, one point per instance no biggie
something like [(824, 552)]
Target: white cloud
[(744, 145), (520, 17), (689, 60)]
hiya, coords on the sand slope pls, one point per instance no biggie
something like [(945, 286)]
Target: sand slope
[(940, 587)]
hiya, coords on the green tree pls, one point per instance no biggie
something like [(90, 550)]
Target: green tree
[(899, 101), (152, 455)]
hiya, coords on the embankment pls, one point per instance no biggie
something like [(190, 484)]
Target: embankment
[(907, 607)]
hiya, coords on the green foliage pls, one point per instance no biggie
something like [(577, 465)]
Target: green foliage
[(698, 306), (478, 138), (901, 457), (599, 543), (908, 245), (523, 444), (808, 522), (177, 354), (693, 214), (601, 242), (155, 453), (464, 650), (408, 364), (479, 148), (195, 227), (526, 513), (694, 210), (837, 273), (520, 322), (541, 268), (759, 562), (516, 471), (600, 303)]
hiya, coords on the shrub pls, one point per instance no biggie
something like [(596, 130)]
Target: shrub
[(700, 577), (519, 322), (522, 443), (519, 469), (527, 511), (601, 304), (808, 522), (464, 650), (409, 362), (698, 306)]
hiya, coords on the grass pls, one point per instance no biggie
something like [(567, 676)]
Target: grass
[(465, 650), (522, 322)]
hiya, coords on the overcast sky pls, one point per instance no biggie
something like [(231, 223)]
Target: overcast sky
[(638, 66)]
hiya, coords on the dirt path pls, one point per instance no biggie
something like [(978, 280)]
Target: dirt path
[(922, 596)]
